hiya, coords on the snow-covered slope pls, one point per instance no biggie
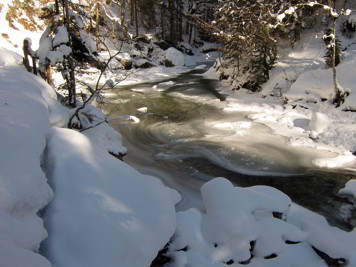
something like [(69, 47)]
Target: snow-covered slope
[(103, 211), (24, 189), (296, 101)]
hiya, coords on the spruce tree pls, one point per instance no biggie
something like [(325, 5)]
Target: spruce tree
[(329, 49)]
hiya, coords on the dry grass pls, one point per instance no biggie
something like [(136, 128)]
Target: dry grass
[(7, 37), (25, 12)]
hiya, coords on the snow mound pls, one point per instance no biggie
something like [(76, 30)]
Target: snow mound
[(104, 212), (319, 123), (239, 227)]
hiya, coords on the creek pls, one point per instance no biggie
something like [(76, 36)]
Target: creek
[(186, 143)]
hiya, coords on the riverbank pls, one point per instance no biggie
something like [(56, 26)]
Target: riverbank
[(97, 197), (86, 198)]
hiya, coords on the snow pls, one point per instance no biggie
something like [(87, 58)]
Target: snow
[(352, 19), (45, 45), (175, 56), (12, 256), (317, 84), (9, 58), (61, 36), (16, 37), (331, 240), (237, 227), (24, 190), (58, 56), (318, 124), (89, 43), (298, 92), (127, 217), (143, 109), (106, 213), (349, 189), (102, 134)]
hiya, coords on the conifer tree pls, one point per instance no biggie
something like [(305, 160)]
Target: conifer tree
[(329, 49), (65, 44)]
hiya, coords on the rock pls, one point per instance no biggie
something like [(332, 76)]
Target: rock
[(143, 63), (168, 63), (184, 48), (252, 86), (143, 39), (176, 57), (138, 47), (162, 44), (126, 63)]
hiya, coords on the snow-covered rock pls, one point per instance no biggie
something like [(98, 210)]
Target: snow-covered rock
[(174, 56), (238, 227)]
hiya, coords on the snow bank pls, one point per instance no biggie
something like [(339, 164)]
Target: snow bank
[(24, 189), (336, 243), (340, 160), (101, 134), (104, 213), (315, 85), (239, 227)]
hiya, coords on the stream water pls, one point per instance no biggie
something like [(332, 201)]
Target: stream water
[(186, 143)]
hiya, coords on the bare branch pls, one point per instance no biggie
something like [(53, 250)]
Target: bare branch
[(96, 91)]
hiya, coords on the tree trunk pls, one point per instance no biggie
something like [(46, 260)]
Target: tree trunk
[(57, 7), (122, 19), (136, 20), (132, 12), (66, 14), (339, 91), (345, 4), (180, 21), (162, 19), (97, 26), (71, 86), (171, 12), (71, 81)]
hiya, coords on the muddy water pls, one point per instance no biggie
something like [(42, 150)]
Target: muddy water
[(186, 143)]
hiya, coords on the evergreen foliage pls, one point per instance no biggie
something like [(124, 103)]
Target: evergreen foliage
[(329, 49), (249, 41), (65, 45)]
